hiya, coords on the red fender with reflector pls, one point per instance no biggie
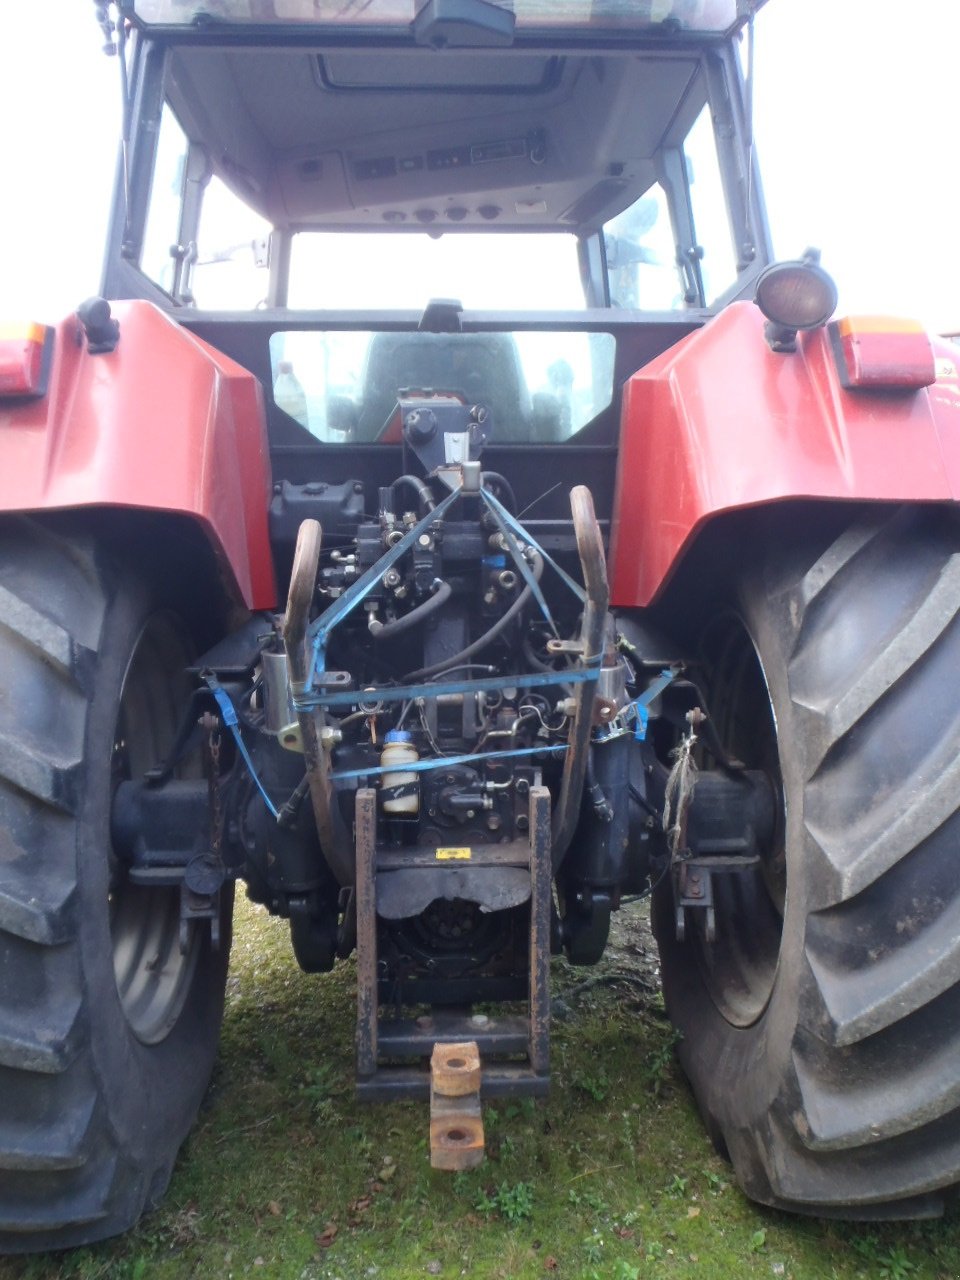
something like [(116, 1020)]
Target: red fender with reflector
[(720, 422), (162, 423)]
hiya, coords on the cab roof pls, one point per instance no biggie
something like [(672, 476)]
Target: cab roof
[(446, 22), (437, 115)]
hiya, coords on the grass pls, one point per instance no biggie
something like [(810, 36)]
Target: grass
[(612, 1178)]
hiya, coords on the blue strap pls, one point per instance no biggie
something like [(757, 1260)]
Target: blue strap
[(442, 762), (641, 705), (521, 532), (228, 714), (488, 684), (321, 627), (526, 572)]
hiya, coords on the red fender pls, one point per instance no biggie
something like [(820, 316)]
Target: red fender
[(162, 423), (720, 422)]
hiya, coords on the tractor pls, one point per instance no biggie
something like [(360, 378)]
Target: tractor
[(450, 520)]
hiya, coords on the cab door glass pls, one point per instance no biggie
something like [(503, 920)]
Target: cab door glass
[(641, 256), (230, 270), (166, 195), (711, 220)]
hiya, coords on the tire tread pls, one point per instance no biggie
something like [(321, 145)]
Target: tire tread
[(844, 1098), (73, 1167)]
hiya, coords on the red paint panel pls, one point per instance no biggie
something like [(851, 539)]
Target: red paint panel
[(720, 422), (163, 423)]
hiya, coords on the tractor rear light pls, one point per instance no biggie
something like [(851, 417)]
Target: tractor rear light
[(25, 356), (793, 296), (880, 353), (797, 295)]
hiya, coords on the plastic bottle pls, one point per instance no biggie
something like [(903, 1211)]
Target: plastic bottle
[(289, 395), (398, 749)]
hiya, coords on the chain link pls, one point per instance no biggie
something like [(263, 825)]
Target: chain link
[(211, 728)]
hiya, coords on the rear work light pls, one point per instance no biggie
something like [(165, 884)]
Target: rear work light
[(881, 353), (793, 296), (25, 356)]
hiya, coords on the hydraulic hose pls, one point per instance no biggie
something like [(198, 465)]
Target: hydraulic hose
[(503, 484), (497, 629), (421, 488), (388, 630)]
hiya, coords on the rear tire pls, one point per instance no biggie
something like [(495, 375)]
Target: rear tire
[(833, 1084), (107, 1034)]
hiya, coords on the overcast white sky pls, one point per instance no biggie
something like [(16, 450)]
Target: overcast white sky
[(856, 122)]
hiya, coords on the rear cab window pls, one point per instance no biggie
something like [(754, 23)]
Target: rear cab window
[(539, 387)]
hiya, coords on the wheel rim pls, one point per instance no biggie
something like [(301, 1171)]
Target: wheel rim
[(740, 967), (153, 975)]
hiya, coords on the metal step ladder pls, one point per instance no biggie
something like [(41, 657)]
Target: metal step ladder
[(414, 1039)]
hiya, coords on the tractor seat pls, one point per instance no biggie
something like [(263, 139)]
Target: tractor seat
[(482, 367)]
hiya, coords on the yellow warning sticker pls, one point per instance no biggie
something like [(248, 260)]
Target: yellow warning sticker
[(454, 855)]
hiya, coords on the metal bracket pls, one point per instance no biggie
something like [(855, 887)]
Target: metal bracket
[(332, 680), (498, 1036), (693, 887), (557, 646), (195, 907)]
